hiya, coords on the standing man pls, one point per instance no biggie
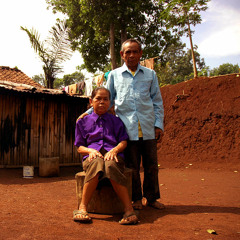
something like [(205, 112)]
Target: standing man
[(138, 102)]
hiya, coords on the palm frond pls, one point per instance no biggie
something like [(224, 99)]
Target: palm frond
[(37, 45), (59, 42), (58, 50)]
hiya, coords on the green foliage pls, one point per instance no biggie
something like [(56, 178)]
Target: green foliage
[(58, 83), (73, 78), (69, 79), (226, 68), (179, 13), (39, 79), (52, 51), (204, 71), (90, 23), (177, 64)]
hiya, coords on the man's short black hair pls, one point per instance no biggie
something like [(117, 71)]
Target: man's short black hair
[(131, 40)]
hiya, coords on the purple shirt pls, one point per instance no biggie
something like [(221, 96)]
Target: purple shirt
[(98, 132)]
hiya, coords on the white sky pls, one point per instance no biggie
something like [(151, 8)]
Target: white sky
[(15, 47), (217, 38)]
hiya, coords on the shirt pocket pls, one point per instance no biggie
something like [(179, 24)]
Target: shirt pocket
[(124, 89), (144, 87)]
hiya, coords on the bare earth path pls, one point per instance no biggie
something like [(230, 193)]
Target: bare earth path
[(196, 200)]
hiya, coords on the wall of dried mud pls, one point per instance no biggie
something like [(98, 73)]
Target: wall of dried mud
[(202, 122)]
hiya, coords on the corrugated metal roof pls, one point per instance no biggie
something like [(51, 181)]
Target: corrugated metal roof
[(15, 80), (7, 85)]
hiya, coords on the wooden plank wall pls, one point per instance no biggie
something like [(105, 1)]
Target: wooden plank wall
[(38, 125)]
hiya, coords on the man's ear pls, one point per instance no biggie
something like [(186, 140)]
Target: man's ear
[(121, 53)]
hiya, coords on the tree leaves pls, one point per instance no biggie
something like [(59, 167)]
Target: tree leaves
[(90, 22), (176, 65), (226, 68), (53, 51), (178, 13)]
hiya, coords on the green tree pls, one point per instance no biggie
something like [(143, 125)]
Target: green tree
[(69, 79), (73, 78), (177, 64), (52, 51), (226, 68), (98, 27), (39, 79), (180, 15), (58, 83)]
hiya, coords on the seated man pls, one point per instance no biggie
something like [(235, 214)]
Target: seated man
[(101, 138)]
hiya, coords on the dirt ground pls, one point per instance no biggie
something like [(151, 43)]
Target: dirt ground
[(199, 166), (196, 200)]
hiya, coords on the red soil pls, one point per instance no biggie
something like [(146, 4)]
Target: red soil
[(202, 119)]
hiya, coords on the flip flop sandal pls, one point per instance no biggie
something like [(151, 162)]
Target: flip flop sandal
[(84, 216), (126, 221)]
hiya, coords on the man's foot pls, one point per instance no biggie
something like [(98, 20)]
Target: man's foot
[(137, 205), (156, 205), (81, 216), (129, 219)]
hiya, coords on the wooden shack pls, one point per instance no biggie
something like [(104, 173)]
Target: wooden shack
[(37, 122)]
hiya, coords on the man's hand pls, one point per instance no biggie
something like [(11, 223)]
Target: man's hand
[(82, 116), (158, 134)]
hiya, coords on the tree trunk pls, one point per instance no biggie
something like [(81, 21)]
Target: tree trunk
[(193, 56), (123, 39), (49, 81), (112, 47)]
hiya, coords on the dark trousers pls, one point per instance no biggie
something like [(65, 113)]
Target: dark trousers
[(145, 150)]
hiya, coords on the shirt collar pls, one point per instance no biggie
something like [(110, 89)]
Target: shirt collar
[(125, 68), (95, 117)]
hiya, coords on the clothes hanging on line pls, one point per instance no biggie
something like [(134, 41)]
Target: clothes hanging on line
[(88, 87), (81, 87), (66, 89), (72, 88), (99, 80), (149, 63)]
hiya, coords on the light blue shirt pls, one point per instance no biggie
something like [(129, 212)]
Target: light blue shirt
[(137, 98)]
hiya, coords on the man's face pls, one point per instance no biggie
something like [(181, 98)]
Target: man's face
[(131, 55)]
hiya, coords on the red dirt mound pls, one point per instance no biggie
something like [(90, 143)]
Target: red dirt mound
[(202, 119)]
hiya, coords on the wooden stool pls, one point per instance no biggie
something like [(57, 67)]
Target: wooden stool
[(104, 199)]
